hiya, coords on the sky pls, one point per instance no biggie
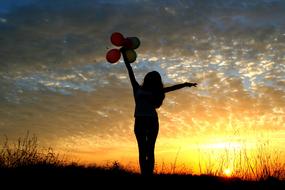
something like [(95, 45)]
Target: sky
[(56, 83)]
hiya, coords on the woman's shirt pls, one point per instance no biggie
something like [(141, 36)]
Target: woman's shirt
[(144, 104)]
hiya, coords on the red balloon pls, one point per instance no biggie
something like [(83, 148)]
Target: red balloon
[(128, 43), (113, 55), (117, 39)]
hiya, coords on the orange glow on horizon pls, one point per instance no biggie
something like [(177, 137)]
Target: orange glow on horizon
[(199, 154), (228, 172)]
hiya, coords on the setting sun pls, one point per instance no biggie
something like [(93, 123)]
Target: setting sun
[(228, 172)]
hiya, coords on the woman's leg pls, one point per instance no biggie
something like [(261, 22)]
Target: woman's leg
[(151, 139), (140, 133)]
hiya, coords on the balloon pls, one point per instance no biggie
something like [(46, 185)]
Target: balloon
[(131, 55), (132, 42), (117, 39), (113, 55)]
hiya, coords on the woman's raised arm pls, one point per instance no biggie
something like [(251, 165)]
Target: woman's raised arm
[(134, 82)]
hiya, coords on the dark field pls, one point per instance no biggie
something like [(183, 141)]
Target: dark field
[(115, 176)]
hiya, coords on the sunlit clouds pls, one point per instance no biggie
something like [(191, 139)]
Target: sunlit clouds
[(56, 83)]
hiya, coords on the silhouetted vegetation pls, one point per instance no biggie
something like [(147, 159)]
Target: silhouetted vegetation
[(27, 153), (260, 164)]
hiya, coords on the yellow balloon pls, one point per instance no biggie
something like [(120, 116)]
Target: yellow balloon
[(131, 55)]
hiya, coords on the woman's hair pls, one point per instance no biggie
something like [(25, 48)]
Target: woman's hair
[(153, 83)]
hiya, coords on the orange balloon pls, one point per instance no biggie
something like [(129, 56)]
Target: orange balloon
[(113, 55), (117, 39)]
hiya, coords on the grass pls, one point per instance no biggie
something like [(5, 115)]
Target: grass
[(262, 164), (26, 161), (27, 153)]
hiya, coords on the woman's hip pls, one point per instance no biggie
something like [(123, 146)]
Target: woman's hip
[(146, 124)]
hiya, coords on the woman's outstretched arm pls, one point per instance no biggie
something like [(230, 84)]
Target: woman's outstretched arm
[(134, 82), (178, 86)]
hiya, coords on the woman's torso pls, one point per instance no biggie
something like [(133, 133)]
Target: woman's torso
[(144, 104)]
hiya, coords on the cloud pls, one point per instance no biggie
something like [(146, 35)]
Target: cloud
[(56, 32)]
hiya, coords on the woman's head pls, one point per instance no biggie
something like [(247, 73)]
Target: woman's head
[(152, 82)]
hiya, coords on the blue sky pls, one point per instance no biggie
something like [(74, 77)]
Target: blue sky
[(6, 5)]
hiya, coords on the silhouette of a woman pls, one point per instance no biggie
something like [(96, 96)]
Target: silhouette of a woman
[(148, 97)]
